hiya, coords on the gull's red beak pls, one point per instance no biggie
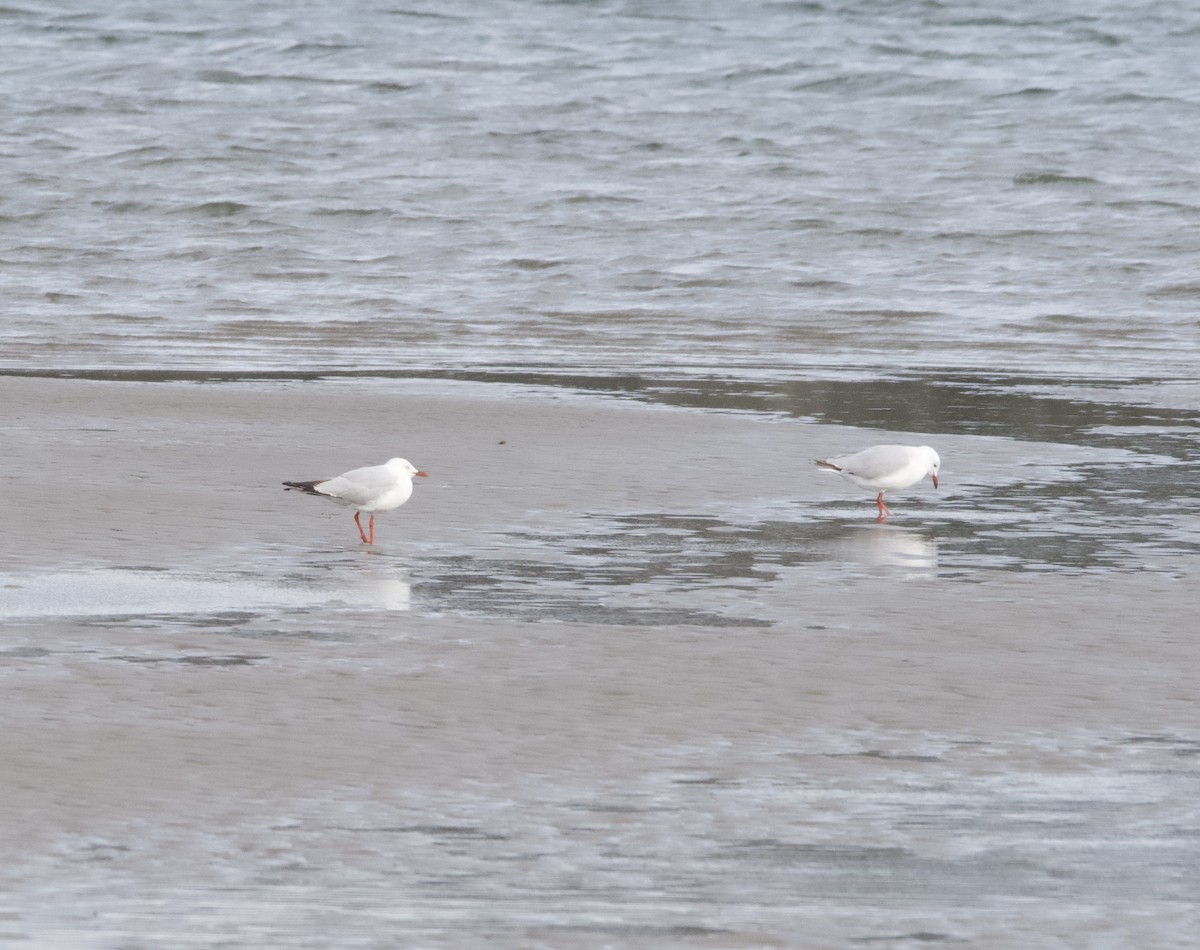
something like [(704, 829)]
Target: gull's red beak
[(931, 475), (426, 475)]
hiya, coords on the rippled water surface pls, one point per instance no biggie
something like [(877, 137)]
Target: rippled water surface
[(600, 184)]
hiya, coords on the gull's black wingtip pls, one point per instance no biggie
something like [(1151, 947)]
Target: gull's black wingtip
[(309, 488)]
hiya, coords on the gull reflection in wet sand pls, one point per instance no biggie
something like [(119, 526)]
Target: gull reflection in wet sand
[(386, 593), (377, 589), (889, 549), (371, 583)]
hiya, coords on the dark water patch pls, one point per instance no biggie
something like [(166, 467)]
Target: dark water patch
[(1077, 410), (1027, 408), (1008, 407)]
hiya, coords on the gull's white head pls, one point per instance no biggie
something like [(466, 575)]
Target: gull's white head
[(935, 463), (405, 467)]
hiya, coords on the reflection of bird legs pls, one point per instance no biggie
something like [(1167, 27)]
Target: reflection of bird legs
[(884, 511), (370, 524)]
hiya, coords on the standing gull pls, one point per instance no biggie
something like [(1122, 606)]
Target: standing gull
[(886, 468), (372, 489)]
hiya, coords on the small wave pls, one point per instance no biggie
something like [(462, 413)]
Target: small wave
[(1052, 178), (817, 283), (23, 218), (1156, 204), (593, 198), (319, 48), (890, 315), (1029, 92), (529, 263), (423, 15), (1052, 323), (229, 77), (1099, 36), (225, 76), (1176, 290), (790, 68), (215, 209), (693, 282), (390, 86), (843, 84), (350, 212), (126, 207)]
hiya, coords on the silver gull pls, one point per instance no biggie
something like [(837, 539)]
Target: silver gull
[(886, 468), (371, 489)]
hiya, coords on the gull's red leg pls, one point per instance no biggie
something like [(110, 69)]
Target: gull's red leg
[(372, 523), (884, 511), (362, 534)]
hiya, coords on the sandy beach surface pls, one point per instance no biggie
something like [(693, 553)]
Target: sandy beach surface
[(619, 674)]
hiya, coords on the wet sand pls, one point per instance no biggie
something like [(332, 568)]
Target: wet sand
[(618, 675)]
